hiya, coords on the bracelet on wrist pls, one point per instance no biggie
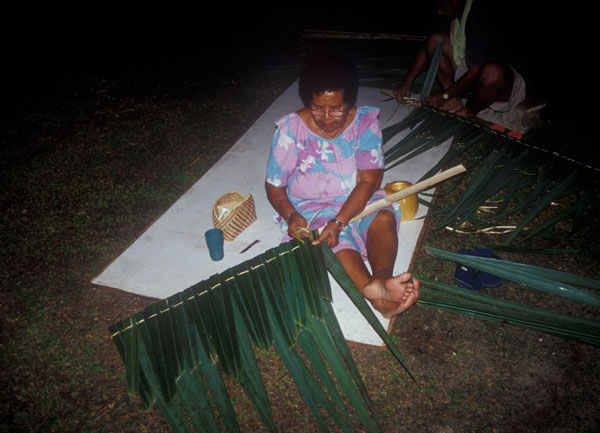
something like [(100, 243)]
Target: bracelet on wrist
[(340, 224)]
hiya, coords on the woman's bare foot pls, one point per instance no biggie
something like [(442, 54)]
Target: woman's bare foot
[(392, 295)]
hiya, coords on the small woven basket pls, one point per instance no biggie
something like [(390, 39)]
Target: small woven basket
[(232, 213)]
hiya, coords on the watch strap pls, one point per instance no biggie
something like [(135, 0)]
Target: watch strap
[(341, 225)]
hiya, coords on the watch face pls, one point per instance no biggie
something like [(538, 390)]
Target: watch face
[(446, 96)]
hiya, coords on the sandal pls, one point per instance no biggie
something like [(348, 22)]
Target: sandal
[(473, 279), (488, 280), (467, 277)]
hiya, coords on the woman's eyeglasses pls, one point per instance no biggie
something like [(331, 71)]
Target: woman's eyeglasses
[(332, 113)]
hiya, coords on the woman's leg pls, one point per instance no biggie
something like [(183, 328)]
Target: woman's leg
[(389, 294)]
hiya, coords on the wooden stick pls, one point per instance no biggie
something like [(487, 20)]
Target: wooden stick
[(413, 101), (418, 187), (414, 189)]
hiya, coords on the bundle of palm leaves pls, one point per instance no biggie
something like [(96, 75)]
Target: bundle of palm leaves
[(508, 179), (462, 301), (175, 349)]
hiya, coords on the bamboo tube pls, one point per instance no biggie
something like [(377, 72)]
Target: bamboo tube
[(418, 187), (414, 189)]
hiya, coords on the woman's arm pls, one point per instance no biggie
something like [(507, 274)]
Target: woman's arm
[(277, 196), (367, 182)]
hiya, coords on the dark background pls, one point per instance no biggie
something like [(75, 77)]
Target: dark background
[(43, 47)]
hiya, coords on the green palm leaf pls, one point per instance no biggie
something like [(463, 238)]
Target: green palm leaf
[(525, 178), (343, 279), (250, 375), (456, 300), (176, 350), (432, 71), (537, 278), (542, 204), (320, 368)]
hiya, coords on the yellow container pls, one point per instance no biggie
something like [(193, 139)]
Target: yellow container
[(408, 205)]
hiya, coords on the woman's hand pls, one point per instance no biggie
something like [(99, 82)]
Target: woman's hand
[(330, 235), (278, 198), (295, 222), (367, 182)]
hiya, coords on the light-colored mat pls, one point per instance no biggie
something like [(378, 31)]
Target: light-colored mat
[(171, 254)]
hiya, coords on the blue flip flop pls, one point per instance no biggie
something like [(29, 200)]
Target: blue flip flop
[(467, 277), (473, 279), (488, 280)]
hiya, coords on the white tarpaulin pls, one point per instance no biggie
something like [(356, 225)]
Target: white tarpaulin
[(171, 254)]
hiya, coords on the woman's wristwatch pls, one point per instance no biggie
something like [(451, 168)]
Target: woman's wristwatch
[(340, 224)]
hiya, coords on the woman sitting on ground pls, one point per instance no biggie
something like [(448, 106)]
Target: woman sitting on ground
[(326, 162)]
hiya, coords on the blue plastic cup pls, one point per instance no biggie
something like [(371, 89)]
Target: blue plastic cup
[(214, 240)]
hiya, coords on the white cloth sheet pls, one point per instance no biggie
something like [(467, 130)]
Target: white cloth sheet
[(171, 254)]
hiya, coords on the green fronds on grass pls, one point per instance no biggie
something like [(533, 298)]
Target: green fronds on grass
[(551, 281), (526, 181), (462, 301), (176, 349)]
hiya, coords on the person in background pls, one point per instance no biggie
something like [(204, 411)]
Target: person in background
[(483, 58)]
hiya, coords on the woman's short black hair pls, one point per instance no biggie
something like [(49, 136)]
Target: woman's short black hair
[(328, 73)]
